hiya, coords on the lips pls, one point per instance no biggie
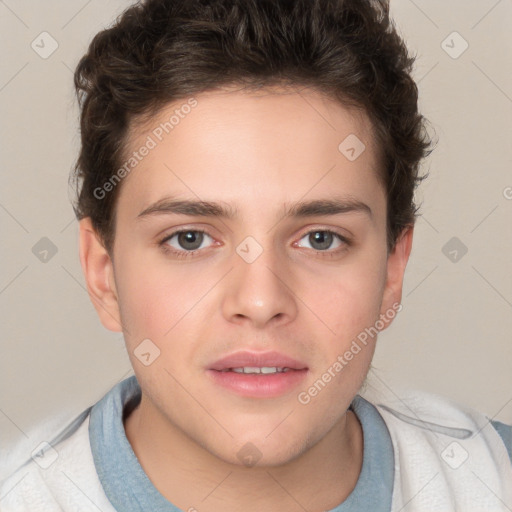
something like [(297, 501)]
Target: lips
[(258, 374), (245, 359)]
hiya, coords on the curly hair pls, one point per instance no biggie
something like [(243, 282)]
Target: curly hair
[(161, 51)]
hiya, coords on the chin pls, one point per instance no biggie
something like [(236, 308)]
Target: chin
[(259, 452)]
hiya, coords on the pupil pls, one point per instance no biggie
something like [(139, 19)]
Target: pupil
[(190, 237), (323, 238)]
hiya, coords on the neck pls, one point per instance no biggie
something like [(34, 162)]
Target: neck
[(192, 478)]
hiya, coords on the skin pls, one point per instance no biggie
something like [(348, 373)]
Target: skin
[(256, 151)]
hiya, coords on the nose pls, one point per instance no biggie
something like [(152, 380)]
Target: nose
[(260, 292)]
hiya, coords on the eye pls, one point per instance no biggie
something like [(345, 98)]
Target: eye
[(322, 240), (185, 241)]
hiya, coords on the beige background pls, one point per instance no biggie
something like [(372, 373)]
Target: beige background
[(453, 335)]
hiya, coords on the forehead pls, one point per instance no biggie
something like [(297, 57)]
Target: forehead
[(260, 142), (315, 112)]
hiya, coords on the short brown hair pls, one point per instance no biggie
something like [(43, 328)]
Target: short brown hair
[(161, 51)]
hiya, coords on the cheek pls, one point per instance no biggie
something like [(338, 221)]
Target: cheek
[(156, 298), (349, 306), (347, 300)]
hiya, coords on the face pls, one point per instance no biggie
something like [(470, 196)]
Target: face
[(280, 285)]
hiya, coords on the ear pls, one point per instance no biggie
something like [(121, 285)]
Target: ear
[(397, 261), (99, 276)]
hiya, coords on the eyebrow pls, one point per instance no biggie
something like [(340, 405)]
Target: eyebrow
[(301, 209)]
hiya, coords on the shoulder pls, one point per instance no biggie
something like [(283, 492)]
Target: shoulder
[(59, 475), (26, 490), (405, 402), (423, 411), (455, 446)]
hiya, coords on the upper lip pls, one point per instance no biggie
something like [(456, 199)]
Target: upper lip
[(244, 358)]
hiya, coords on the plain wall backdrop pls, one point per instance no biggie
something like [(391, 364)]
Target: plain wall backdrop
[(453, 335)]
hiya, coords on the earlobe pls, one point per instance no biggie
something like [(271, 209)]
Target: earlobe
[(99, 276), (396, 264)]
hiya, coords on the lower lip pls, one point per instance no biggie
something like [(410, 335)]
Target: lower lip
[(259, 385)]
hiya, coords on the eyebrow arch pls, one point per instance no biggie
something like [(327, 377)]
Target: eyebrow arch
[(314, 208)]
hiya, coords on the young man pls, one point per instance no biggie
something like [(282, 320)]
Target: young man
[(246, 184)]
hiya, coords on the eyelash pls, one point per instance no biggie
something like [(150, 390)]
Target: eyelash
[(189, 254)]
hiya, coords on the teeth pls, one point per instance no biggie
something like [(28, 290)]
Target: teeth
[(257, 369), (268, 369)]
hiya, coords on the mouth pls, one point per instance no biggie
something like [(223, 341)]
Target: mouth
[(258, 375), (256, 370)]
